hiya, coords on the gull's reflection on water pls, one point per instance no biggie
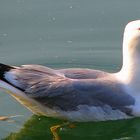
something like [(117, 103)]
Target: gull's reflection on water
[(38, 128)]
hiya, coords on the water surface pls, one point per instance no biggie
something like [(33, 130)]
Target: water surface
[(60, 34)]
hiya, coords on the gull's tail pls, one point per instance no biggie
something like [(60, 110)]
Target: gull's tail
[(30, 79), (21, 81), (3, 69), (6, 84)]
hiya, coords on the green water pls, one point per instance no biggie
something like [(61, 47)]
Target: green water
[(37, 128), (60, 34)]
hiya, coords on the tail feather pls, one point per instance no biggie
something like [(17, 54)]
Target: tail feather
[(28, 76), (3, 69)]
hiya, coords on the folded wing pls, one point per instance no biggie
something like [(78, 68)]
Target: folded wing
[(52, 89)]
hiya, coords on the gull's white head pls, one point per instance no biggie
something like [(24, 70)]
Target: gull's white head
[(133, 25), (131, 52), (132, 38)]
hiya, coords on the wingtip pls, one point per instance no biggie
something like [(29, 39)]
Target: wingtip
[(4, 68)]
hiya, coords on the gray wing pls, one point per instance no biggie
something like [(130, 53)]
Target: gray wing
[(78, 73), (69, 95), (54, 90)]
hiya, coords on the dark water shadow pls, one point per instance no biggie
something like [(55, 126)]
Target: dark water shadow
[(38, 128)]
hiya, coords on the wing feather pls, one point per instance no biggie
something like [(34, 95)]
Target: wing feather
[(53, 89)]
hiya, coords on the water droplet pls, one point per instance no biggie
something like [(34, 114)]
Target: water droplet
[(71, 7), (5, 34), (53, 18), (91, 29), (40, 39), (69, 41), (56, 56)]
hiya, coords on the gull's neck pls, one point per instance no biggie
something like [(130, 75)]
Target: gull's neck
[(130, 72)]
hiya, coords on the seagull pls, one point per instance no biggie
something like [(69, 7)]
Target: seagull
[(78, 94)]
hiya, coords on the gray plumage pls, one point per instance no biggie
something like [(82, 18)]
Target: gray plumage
[(66, 89)]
